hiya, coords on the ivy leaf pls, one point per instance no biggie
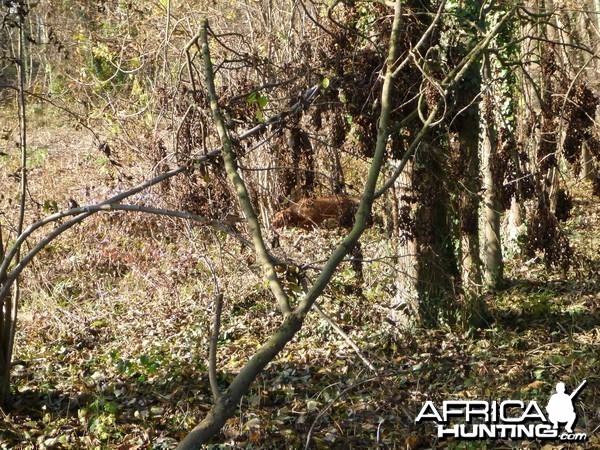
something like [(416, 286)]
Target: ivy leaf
[(50, 206), (262, 101), (260, 117)]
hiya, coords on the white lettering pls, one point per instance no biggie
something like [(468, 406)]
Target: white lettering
[(525, 430), (510, 419), (546, 431), (504, 429), (448, 411), (486, 430), (433, 415), (508, 404), (465, 433), (443, 431), (477, 408), (573, 437), (537, 414)]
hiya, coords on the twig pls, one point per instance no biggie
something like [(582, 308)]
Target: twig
[(224, 408), (413, 51), (329, 405), (347, 338), (449, 82), (341, 332), (80, 214), (212, 353), (366, 204)]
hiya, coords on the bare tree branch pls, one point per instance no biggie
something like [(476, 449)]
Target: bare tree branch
[(212, 354), (231, 168)]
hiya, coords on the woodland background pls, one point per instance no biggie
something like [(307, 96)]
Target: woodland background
[(130, 316)]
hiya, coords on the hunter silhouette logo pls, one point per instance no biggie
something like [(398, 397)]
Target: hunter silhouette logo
[(507, 419), (560, 407)]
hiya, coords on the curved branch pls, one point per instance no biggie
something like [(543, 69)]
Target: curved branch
[(115, 199), (82, 213), (8, 306), (449, 82)]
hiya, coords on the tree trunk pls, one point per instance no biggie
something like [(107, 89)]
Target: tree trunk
[(492, 248), (587, 163), (405, 303), (227, 403)]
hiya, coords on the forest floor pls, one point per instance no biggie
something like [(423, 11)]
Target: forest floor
[(113, 333)]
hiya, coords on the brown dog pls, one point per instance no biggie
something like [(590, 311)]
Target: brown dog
[(312, 212)]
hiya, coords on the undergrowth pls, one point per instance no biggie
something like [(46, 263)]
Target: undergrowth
[(114, 327)]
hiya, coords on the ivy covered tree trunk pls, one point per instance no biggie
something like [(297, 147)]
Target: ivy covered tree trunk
[(427, 271), (437, 267), (467, 171)]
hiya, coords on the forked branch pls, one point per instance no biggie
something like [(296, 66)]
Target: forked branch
[(226, 405)]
